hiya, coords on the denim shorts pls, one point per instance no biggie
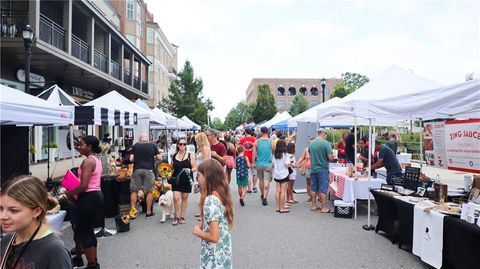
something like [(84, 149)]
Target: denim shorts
[(320, 181)]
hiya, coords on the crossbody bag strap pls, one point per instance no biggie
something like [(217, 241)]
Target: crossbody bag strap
[(3, 263)]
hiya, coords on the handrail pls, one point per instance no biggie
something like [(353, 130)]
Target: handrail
[(54, 25), (80, 41)]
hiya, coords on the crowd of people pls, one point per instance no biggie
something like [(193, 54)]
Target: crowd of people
[(257, 159)]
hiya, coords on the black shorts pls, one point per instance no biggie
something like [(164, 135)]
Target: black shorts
[(283, 180)]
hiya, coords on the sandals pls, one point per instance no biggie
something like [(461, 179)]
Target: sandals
[(175, 221), (326, 212), (313, 209), (286, 211), (182, 220)]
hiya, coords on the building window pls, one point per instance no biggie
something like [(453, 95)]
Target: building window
[(313, 103), (292, 91), (152, 60), (281, 91), (130, 10), (150, 35), (314, 91), (290, 104), (303, 91), (281, 104), (151, 89)]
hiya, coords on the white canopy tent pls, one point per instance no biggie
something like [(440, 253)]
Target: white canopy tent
[(154, 117), (279, 117), (173, 123), (392, 82), (19, 108), (310, 115), (460, 100), (57, 96), (194, 125)]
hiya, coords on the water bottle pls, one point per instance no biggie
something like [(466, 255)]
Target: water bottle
[(437, 179)]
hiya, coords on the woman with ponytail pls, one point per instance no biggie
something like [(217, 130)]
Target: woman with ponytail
[(30, 242), (89, 202)]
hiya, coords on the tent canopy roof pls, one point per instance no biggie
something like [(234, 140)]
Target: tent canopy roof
[(19, 108), (57, 96), (116, 101)]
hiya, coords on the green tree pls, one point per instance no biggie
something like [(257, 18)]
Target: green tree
[(218, 124), (340, 90), (265, 107), (354, 80), (350, 82), (185, 97), (241, 113), (299, 105)]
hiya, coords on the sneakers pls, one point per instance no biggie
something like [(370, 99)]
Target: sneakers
[(264, 201), (93, 266), (242, 203), (150, 215), (255, 190), (133, 213), (77, 262), (249, 191)]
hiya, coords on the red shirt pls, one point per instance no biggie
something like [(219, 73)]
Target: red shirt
[(219, 148), (341, 148), (248, 142)]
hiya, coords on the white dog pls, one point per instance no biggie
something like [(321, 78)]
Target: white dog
[(166, 205)]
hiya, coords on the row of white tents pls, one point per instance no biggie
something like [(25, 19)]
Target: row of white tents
[(111, 109)]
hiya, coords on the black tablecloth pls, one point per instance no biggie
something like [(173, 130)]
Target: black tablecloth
[(387, 214), (461, 240), (110, 207), (461, 244)]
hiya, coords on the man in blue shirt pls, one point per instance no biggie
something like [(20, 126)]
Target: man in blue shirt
[(387, 158)]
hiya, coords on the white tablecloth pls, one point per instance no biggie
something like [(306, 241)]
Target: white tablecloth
[(350, 189), (56, 220), (404, 157), (428, 236)]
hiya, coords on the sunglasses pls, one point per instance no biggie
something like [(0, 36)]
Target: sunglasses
[(182, 144)]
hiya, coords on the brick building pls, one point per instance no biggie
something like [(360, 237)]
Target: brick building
[(285, 89)]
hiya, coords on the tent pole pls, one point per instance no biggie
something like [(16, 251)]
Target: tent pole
[(421, 146), (355, 147), (71, 146), (368, 226), (29, 154), (48, 153)]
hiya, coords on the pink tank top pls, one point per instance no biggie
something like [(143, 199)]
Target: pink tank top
[(94, 184), (307, 160)]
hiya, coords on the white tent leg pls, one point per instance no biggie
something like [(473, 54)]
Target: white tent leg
[(72, 146), (368, 226), (355, 156), (421, 146)]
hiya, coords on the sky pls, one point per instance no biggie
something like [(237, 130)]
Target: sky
[(230, 42)]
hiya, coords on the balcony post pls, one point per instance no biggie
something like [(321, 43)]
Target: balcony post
[(132, 59), (122, 60), (91, 40), (146, 79), (109, 53), (67, 24), (34, 15), (140, 73)]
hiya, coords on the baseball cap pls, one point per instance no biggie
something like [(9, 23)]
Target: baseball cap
[(321, 130)]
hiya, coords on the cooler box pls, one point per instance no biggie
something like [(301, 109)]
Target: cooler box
[(343, 209)]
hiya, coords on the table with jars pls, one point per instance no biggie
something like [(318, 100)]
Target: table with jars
[(350, 186)]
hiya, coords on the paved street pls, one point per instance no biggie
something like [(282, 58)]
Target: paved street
[(262, 238)]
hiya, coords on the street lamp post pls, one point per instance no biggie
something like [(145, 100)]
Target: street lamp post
[(323, 82), (28, 35)]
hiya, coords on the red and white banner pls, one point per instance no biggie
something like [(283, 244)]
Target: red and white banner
[(462, 141)]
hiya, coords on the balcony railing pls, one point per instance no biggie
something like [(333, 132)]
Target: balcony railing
[(127, 77), (136, 83), (79, 48), (144, 86), (99, 61), (13, 21), (51, 32), (114, 69)]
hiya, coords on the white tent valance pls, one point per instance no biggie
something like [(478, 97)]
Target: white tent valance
[(19, 108), (194, 125)]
